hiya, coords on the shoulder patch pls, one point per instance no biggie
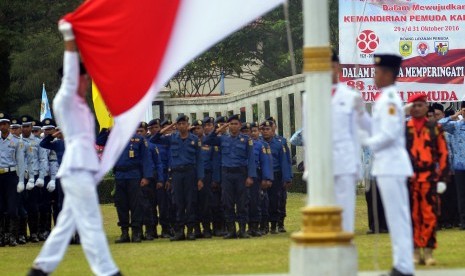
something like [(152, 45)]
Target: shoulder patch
[(392, 110)]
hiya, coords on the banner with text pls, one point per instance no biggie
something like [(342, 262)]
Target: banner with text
[(430, 35)]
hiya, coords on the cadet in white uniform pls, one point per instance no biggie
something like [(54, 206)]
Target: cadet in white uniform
[(391, 164), (349, 116), (77, 172)]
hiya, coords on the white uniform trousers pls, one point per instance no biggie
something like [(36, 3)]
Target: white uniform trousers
[(344, 188), (394, 193), (80, 212)]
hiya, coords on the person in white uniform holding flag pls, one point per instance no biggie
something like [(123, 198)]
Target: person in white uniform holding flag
[(77, 172)]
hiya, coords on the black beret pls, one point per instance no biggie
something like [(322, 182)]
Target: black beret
[(142, 125), (182, 118), (246, 126), (270, 118), (267, 123), (27, 120), (82, 70), (4, 117), (234, 117), (165, 122), (197, 123), (208, 120), (385, 60), (438, 107), (334, 57), (48, 123), (221, 119), (154, 122)]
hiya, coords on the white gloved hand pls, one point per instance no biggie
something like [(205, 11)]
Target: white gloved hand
[(20, 187), (441, 187), (363, 137), (51, 186), (66, 30), (40, 182), (305, 175), (30, 184), (407, 108)]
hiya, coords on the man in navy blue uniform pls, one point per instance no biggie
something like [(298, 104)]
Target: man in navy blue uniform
[(282, 176), (132, 171), (264, 163), (149, 192), (237, 174), (187, 174), (204, 207), (210, 125), (283, 194)]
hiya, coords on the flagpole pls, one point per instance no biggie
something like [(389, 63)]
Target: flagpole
[(320, 247)]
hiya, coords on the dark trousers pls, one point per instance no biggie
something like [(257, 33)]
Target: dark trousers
[(254, 205), (372, 195), (204, 198), (8, 194), (128, 201), (162, 201), (235, 195), (282, 203), (274, 196), (184, 185), (460, 183), (264, 206), (57, 200), (449, 214), (217, 206), (45, 207), (149, 204)]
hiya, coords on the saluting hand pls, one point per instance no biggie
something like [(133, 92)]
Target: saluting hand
[(165, 129), (221, 128)]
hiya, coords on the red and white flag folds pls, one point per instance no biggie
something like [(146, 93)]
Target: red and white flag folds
[(132, 48)]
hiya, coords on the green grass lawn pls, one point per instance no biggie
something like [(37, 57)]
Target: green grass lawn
[(268, 254)]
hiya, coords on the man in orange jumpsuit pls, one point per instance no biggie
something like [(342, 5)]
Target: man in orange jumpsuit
[(428, 152)]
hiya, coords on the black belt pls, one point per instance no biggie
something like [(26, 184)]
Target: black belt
[(424, 169), (8, 169), (184, 168), (242, 169), (125, 168)]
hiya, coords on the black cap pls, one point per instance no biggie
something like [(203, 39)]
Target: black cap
[(270, 118), (431, 109), (4, 117), (142, 125), (197, 123), (27, 120), (438, 107), (388, 60), (36, 125), (449, 112), (221, 119), (246, 126), (253, 124), (182, 118), (234, 117), (82, 70), (14, 123), (267, 123), (165, 122), (48, 123), (462, 104), (154, 122), (208, 120), (334, 57)]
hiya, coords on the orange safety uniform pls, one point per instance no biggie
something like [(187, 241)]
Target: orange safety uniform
[(428, 152)]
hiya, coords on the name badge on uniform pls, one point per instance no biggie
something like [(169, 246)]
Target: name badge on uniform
[(131, 154)]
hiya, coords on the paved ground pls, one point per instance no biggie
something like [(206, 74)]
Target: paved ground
[(438, 272)]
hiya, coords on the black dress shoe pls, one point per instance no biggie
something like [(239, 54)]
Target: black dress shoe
[(36, 272), (22, 239), (33, 238), (370, 232), (395, 272)]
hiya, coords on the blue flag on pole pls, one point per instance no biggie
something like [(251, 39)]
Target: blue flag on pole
[(45, 112)]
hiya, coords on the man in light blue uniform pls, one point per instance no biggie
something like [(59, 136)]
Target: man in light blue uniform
[(12, 167)]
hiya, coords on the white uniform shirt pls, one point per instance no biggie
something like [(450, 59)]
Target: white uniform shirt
[(348, 116), (388, 136), (76, 121)]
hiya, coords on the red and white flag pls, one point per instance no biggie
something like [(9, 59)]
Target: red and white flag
[(132, 48)]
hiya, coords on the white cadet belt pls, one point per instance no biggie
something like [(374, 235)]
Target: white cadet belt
[(5, 170)]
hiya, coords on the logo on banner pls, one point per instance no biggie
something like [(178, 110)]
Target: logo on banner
[(405, 48), (441, 47), (422, 49), (367, 41)]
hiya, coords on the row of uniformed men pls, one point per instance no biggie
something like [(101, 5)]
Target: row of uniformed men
[(202, 176), (27, 179)]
